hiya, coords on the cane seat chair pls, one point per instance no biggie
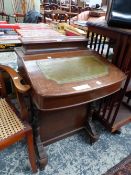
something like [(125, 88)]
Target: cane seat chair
[(13, 124)]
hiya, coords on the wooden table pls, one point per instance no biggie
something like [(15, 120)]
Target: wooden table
[(103, 39), (63, 83)]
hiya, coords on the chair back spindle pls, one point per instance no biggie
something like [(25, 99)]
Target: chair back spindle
[(117, 50)]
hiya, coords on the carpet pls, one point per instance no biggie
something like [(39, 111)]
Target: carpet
[(122, 168)]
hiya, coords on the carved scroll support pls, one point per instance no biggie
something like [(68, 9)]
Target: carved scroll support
[(42, 158), (90, 128)]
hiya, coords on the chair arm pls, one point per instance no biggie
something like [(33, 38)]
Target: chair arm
[(16, 78)]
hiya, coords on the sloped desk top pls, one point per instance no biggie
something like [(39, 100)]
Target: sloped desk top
[(74, 69), (65, 79)]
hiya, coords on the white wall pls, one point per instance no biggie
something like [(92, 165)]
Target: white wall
[(37, 5), (8, 7), (93, 2)]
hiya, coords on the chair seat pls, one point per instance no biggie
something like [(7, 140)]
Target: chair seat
[(10, 124)]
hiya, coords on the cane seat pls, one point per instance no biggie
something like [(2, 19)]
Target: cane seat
[(14, 125), (9, 122)]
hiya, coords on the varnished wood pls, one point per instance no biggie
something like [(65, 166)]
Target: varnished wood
[(119, 40), (58, 124), (16, 78), (53, 44), (66, 96), (62, 110), (26, 132)]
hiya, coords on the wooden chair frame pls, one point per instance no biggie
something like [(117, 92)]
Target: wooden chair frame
[(98, 38), (23, 116)]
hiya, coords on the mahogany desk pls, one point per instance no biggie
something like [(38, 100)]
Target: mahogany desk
[(62, 85)]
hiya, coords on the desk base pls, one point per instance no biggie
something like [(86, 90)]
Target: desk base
[(55, 125), (52, 126)]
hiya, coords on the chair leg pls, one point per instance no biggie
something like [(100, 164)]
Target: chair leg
[(31, 151)]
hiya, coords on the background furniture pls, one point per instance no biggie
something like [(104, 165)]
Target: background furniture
[(115, 45), (5, 16), (3, 13), (59, 16), (13, 125)]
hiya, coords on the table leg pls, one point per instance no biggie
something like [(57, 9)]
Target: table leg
[(90, 128), (41, 153), (42, 158)]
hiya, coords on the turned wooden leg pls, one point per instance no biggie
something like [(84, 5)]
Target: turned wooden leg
[(117, 132), (90, 128), (31, 151), (41, 154), (42, 158)]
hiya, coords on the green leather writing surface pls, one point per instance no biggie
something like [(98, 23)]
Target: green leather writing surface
[(74, 69)]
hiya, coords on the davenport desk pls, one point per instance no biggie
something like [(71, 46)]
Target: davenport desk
[(63, 85)]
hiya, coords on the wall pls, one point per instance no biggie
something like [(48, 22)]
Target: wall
[(37, 5), (9, 10), (104, 2), (94, 2)]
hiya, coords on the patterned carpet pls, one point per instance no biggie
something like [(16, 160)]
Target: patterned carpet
[(122, 168), (71, 156)]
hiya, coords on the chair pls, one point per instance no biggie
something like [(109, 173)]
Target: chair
[(53, 6), (4, 16), (60, 17), (116, 48), (46, 7), (13, 124), (74, 9)]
